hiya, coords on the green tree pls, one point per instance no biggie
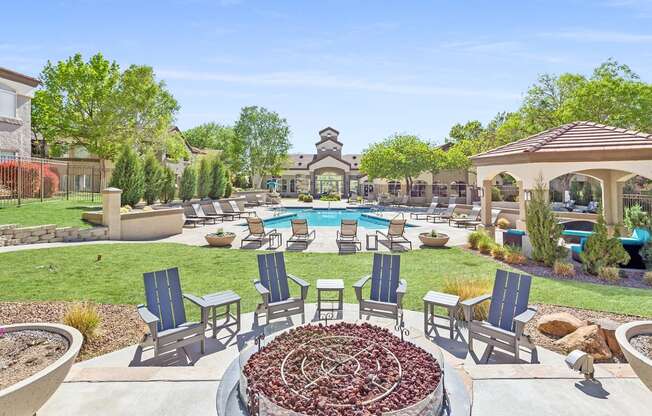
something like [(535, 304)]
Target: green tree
[(153, 178), (542, 227), (218, 180), (204, 178), (168, 185), (228, 188), (188, 183), (396, 157), (602, 251), (264, 136), (96, 106), (128, 176), (216, 136)]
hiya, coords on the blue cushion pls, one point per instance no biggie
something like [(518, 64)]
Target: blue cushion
[(642, 234), (575, 248), (514, 231), (576, 233)]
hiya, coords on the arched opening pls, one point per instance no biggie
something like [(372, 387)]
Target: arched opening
[(439, 189), (329, 180), (394, 188), (7, 102), (638, 191), (418, 189), (458, 190), (504, 188), (576, 192)]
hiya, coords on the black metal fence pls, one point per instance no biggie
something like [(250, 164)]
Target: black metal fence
[(645, 201), (25, 179)]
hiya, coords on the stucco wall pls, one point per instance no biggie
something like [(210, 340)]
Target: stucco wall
[(15, 133)]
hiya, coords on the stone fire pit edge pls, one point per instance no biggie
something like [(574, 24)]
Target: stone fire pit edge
[(641, 365), (28, 395)]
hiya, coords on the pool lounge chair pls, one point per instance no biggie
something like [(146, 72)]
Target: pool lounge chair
[(444, 215), (433, 209), (165, 314), (387, 288), (208, 207), (348, 234), (395, 233), (300, 233), (508, 315), (252, 200), (191, 213), (472, 216), (274, 289), (257, 233)]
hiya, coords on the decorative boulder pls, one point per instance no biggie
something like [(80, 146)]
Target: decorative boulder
[(559, 324), (608, 327), (589, 339)]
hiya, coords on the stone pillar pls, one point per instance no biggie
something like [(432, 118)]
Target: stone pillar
[(111, 212), (522, 206), (485, 211), (609, 200), (620, 212)]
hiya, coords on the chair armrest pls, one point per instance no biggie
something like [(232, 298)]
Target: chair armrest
[(150, 319), (402, 287), (272, 231), (260, 288), (521, 319), (302, 283), (360, 283), (469, 304), (196, 300)]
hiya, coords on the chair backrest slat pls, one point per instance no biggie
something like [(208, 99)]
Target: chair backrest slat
[(450, 210), (164, 297), (299, 226), (255, 225), (396, 227), (431, 209), (475, 212), (198, 209), (510, 298), (225, 206), (385, 277), (234, 206), (496, 305), (349, 228), (208, 207), (273, 276), (189, 211)]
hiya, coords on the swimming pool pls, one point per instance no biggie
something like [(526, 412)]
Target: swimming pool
[(328, 218)]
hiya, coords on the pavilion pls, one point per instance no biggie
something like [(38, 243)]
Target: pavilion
[(611, 155)]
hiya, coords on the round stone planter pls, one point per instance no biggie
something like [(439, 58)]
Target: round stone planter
[(641, 365), (428, 240), (220, 240), (27, 396)]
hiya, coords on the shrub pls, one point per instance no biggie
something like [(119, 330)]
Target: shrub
[(486, 245), (468, 288), (305, 198), (514, 255), (600, 251), (128, 176), (31, 179), (204, 178), (496, 195), (610, 274), (498, 252), (646, 254), (475, 237), (188, 183), (563, 269), (543, 229), (152, 178), (635, 217), (218, 181), (647, 278), (84, 317), (503, 223), (330, 197), (168, 185), (228, 187)]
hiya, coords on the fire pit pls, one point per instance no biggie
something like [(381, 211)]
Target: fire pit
[(341, 369)]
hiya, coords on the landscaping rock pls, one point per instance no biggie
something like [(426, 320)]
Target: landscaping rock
[(559, 324), (589, 339), (608, 327)]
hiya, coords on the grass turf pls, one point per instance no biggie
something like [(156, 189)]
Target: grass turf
[(60, 212), (74, 273)]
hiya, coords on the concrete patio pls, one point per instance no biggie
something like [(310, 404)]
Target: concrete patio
[(130, 381)]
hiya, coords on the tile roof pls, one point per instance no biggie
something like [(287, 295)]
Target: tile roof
[(18, 77), (580, 136)]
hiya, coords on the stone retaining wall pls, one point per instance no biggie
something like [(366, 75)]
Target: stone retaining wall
[(12, 235)]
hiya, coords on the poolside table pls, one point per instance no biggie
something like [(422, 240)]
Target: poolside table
[(450, 302), (223, 299), (372, 238), (330, 285)]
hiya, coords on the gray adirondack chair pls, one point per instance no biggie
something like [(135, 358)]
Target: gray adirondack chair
[(165, 314), (508, 314), (387, 288), (274, 289)]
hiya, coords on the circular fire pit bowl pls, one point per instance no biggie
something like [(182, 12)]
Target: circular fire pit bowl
[(341, 369)]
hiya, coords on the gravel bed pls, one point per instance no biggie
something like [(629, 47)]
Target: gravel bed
[(120, 326), (24, 353), (642, 343), (547, 341)]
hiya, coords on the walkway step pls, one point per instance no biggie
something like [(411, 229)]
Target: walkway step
[(541, 371), (128, 374)]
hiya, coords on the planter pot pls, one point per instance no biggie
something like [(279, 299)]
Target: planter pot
[(28, 395), (220, 241), (430, 241), (641, 365)]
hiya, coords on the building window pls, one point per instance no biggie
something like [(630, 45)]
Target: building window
[(439, 189), (394, 188), (458, 189), (292, 186), (7, 102), (418, 189)]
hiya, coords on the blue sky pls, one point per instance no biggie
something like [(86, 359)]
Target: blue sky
[(367, 68)]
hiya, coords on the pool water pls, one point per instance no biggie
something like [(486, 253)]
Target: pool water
[(328, 218)]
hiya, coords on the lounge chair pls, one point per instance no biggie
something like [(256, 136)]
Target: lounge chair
[(165, 314), (230, 207), (300, 233), (257, 233), (472, 216), (348, 234), (395, 233), (190, 211), (239, 207), (508, 314), (433, 209), (252, 200), (208, 207), (387, 288), (274, 290), (403, 200), (443, 216)]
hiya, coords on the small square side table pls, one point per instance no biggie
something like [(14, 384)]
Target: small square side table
[(450, 302), (330, 285), (372, 237), (275, 237), (223, 299)]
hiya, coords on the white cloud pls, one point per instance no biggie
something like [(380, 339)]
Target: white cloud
[(323, 80), (599, 36)]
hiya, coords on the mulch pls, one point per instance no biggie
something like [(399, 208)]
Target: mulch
[(120, 326)]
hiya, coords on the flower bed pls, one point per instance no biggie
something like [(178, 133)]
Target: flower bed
[(341, 369)]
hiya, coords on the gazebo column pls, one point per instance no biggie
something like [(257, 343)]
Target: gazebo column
[(610, 199), (522, 206), (485, 210), (620, 212)]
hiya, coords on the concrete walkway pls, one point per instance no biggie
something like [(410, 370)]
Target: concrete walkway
[(130, 381)]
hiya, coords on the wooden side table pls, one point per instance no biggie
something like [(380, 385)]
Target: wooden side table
[(330, 285), (450, 302), (223, 299)]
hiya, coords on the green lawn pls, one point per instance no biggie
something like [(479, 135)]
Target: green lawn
[(73, 273), (60, 212)]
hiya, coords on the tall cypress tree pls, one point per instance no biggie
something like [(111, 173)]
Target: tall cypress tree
[(217, 179), (204, 179), (153, 175), (128, 176), (168, 185), (542, 227), (188, 183)]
